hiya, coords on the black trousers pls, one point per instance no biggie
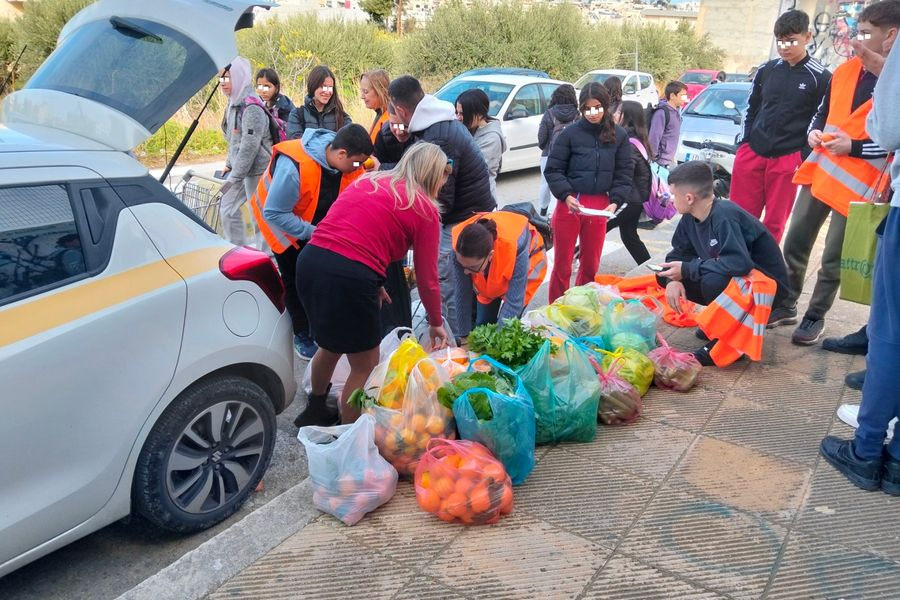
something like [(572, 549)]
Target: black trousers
[(627, 221), (287, 266)]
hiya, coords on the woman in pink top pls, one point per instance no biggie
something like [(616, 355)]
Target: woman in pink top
[(341, 272)]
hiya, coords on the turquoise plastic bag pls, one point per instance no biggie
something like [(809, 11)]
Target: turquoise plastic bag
[(510, 433), (565, 391), (630, 324)]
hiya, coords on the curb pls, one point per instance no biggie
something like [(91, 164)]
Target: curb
[(206, 568)]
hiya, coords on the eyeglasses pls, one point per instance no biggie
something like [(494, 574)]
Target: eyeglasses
[(863, 36), (785, 44), (225, 79), (326, 88), (480, 269), (263, 88), (594, 110)]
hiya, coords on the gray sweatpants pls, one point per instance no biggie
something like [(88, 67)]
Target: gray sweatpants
[(230, 211), (806, 221), (447, 274)]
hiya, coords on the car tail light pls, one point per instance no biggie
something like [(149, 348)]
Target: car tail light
[(247, 264)]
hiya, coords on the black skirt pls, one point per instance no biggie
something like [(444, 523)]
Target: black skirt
[(340, 297)]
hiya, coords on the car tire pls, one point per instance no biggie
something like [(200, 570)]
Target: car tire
[(205, 455)]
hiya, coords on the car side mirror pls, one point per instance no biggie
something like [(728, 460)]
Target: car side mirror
[(516, 113)]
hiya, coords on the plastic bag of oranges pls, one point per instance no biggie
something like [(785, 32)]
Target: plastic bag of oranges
[(454, 360), (403, 433), (349, 477), (387, 383), (461, 481)]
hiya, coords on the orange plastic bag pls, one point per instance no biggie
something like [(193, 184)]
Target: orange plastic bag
[(461, 481)]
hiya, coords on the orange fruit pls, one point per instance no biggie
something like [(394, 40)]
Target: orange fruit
[(390, 442), (480, 499), (396, 421), (346, 486), (455, 504), (463, 485), (495, 471), (444, 486), (469, 466), (418, 423), (434, 425), (409, 437), (481, 452), (428, 500), (425, 480), (452, 461), (506, 500), (424, 438), (443, 515)]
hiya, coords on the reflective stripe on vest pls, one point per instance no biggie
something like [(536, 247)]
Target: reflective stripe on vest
[(308, 201), (510, 227), (737, 318), (839, 180)]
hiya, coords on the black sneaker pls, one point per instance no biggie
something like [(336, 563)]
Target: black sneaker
[(865, 474), (853, 343), (700, 335), (543, 212), (702, 354), (782, 316), (855, 381), (890, 477), (808, 332), (648, 224)]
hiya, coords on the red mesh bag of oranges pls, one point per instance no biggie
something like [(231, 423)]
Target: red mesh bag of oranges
[(402, 432), (461, 481)]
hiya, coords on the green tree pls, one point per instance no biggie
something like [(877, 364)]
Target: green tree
[(39, 28), (379, 10)]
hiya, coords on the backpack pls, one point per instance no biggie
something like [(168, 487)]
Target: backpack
[(542, 224), (648, 116), (277, 127), (658, 205), (558, 126)]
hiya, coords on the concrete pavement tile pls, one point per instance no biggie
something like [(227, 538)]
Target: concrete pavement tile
[(724, 549), (426, 588), (684, 338), (401, 530), (625, 578), (772, 430), (520, 557), (839, 512), (797, 391), (646, 448), (813, 360), (739, 477), (722, 379), (689, 410), (858, 363), (848, 312), (583, 497), (318, 562), (812, 568)]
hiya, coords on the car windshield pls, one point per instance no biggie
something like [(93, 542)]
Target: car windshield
[(496, 92), (594, 78), (711, 103), (698, 78), (140, 68)]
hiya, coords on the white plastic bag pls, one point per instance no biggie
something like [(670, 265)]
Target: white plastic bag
[(349, 476)]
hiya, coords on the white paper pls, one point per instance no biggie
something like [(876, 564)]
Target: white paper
[(593, 212)]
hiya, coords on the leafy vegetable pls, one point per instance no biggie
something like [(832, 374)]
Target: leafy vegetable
[(513, 344), (498, 383), (360, 399)]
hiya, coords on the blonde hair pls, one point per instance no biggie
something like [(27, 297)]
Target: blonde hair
[(379, 80), (421, 170)]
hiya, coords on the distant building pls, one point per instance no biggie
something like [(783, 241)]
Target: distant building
[(669, 18), (10, 9)]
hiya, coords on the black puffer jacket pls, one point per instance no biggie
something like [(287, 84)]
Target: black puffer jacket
[(388, 149), (564, 114), (468, 189), (642, 176), (580, 163), (308, 116)]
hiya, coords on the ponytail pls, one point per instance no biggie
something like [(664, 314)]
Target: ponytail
[(477, 239)]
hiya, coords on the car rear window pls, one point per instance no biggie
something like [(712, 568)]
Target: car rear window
[(138, 67)]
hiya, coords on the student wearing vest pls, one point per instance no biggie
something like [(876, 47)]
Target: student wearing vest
[(298, 188), (724, 258), (785, 94), (500, 258), (844, 166), (341, 272)]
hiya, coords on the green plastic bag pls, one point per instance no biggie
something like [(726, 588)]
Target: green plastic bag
[(635, 368), (565, 391), (576, 321), (858, 251)]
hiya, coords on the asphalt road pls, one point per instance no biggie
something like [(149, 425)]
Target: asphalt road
[(115, 559)]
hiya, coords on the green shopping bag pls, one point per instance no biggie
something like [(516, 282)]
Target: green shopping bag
[(858, 251)]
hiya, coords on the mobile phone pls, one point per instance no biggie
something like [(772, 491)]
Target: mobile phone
[(219, 174), (655, 268)]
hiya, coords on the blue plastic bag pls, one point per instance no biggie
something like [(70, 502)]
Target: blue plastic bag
[(630, 324), (510, 433)]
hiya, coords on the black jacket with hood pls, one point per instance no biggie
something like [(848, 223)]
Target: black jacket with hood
[(308, 116), (563, 113)]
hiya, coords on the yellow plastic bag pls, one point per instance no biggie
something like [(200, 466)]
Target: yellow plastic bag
[(391, 376), (576, 321)]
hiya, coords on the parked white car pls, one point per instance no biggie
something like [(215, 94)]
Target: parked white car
[(637, 86), (142, 358), (519, 102)]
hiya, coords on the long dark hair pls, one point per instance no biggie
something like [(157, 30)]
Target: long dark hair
[(613, 85), (476, 240), (635, 123), (596, 91), (315, 80), (475, 103), (564, 94)]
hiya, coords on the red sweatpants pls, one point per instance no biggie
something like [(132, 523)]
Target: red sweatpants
[(567, 229), (759, 183)]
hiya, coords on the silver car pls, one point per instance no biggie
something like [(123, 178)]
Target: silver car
[(711, 124)]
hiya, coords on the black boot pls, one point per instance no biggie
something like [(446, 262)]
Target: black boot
[(317, 411)]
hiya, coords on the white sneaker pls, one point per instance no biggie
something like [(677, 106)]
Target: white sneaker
[(848, 414)]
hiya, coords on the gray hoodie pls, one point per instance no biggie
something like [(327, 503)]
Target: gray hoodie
[(490, 140), (246, 127), (883, 122), (285, 187)]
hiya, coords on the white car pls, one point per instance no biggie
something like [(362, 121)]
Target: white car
[(519, 102), (637, 86), (142, 358)]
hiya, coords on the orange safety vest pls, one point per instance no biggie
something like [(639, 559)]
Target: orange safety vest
[(376, 127), (310, 183), (839, 180), (738, 318), (509, 229)]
